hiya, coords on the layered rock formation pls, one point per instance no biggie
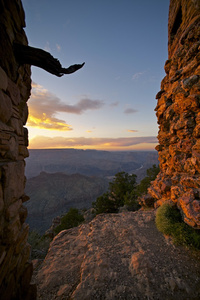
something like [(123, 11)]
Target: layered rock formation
[(178, 113), (15, 85), (117, 256), (52, 195)]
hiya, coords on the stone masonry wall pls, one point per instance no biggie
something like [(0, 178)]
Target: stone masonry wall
[(178, 113), (15, 86)]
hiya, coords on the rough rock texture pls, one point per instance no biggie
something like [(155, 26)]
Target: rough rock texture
[(118, 256), (15, 85), (178, 113)]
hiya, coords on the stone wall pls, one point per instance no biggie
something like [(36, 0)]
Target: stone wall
[(15, 86), (178, 113)]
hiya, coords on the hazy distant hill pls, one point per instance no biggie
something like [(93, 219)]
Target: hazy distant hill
[(89, 162), (62, 178), (53, 194)]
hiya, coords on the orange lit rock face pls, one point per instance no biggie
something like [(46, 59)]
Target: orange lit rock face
[(117, 256), (178, 114)]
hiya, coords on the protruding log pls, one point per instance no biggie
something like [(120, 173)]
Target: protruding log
[(42, 59)]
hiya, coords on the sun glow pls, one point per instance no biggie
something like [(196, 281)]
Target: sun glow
[(47, 123)]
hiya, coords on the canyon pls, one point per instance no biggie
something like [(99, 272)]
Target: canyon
[(120, 256)]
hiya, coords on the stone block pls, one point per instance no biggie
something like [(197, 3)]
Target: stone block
[(5, 107), (13, 210), (25, 254), (3, 80), (23, 151), (12, 231), (5, 127), (13, 92), (13, 181), (25, 198), (17, 125), (1, 199), (2, 225), (12, 153), (23, 212), (9, 288), (25, 114), (26, 276), (5, 265), (2, 253), (190, 81), (22, 239)]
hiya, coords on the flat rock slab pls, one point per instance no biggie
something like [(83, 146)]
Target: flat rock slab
[(118, 256)]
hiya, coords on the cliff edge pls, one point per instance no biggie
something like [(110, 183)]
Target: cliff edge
[(118, 256)]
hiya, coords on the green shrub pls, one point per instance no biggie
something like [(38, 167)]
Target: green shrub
[(130, 200), (39, 244), (120, 190), (169, 222), (72, 219), (105, 204), (123, 190)]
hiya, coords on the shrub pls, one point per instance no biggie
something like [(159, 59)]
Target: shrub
[(39, 244), (72, 219), (169, 222), (120, 190), (130, 200), (105, 204)]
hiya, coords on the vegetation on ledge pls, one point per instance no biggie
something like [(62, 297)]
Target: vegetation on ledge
[(169, 221), (124, 191)]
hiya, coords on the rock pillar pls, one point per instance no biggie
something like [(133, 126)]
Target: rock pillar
[(178, 113), (15, 86)]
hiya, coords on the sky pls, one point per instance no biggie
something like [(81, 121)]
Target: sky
[(109, 103)]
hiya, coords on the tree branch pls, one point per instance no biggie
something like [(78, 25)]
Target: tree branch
[(42, 59)]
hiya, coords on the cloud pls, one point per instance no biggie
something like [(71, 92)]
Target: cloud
[(114, 104), (138, 75), (89, 131), (43, 107), (92, 143), (47, 47), (130, 111), (58, 47), (132, 130)]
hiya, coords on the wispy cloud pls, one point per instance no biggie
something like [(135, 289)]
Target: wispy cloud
[(58, 47), (132, 130), (94, 143), (130, 111), (138, 75), (43, 107), (114, 104), (47, 47)]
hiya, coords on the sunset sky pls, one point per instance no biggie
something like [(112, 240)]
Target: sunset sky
[(109, 103)]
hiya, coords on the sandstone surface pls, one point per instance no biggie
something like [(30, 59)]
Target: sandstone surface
[(118, 256), (178, 114)]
